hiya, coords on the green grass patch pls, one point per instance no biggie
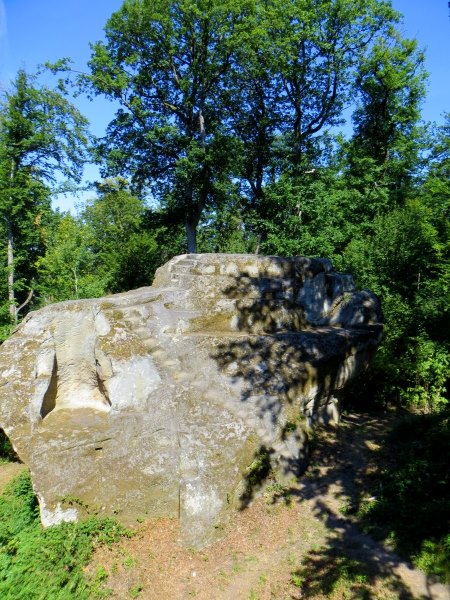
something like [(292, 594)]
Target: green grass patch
[(256, 474), (43, 564)]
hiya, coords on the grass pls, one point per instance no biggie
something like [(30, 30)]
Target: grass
[(129, 562), (135, 590), (275, 492), (47, 564)]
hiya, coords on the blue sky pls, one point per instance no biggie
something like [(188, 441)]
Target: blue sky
[(36, 31), (429, 22)]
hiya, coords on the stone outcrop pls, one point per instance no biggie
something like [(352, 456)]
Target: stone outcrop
[(176, 399)]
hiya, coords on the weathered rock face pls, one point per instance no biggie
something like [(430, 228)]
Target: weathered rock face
[(156, 401)]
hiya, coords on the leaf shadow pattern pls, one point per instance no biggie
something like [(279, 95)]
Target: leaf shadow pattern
[(350, 564), (289, 371), (333, 572)]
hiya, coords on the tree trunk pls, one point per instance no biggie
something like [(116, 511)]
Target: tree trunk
[(75, 282), (190, 219), (10, 260), (10, 263), (191, 236), (194, 209)]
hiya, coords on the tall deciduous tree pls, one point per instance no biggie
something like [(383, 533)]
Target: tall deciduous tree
[(41, 135), (384, 154), (203, 83), (295, 75), (164, 61)]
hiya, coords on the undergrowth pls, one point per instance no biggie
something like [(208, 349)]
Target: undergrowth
[(7, 453), (46, 564), (412, 506), (332, 574)]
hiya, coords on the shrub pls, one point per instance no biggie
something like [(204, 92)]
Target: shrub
[(7, 453), (42, 564)]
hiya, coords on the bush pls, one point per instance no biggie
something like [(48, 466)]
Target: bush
[(43, 564), (6, 450)]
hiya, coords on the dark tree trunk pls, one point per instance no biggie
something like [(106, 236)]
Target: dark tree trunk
[(191, 236)]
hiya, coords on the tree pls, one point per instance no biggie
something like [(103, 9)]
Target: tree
[(127, 251), (41, 135), (215, 91), (294, 76), (164, 62), (435, 194), (436, 187), (68, 270), (406, 264), (115, 244), (384, 153)]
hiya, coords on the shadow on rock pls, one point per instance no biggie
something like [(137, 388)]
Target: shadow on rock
[(289, 362)]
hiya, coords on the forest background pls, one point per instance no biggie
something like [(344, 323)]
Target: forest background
[(228, 136)]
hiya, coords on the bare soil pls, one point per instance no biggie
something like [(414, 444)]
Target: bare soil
[(291, 544)]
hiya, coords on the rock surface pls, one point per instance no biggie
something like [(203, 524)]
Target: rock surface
[(175, 400)]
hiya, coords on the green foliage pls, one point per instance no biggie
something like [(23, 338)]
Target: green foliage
[(126, 252), (412, 509), (404, 262), (114, 245), (256, 475), (226, 92), (391, 86), (168, 134), (260, 468), (224, 230), (225, 110), (7, 453), (67, 270), (40, 564), (42, 135), (307, 216), (426, 366), (5, 323)]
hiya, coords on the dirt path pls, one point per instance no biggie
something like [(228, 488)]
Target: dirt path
[(303, 544)]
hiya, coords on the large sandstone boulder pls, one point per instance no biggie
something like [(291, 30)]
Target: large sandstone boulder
[(174, 400)]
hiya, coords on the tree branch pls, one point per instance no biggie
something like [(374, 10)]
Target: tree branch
[(27, 301)]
